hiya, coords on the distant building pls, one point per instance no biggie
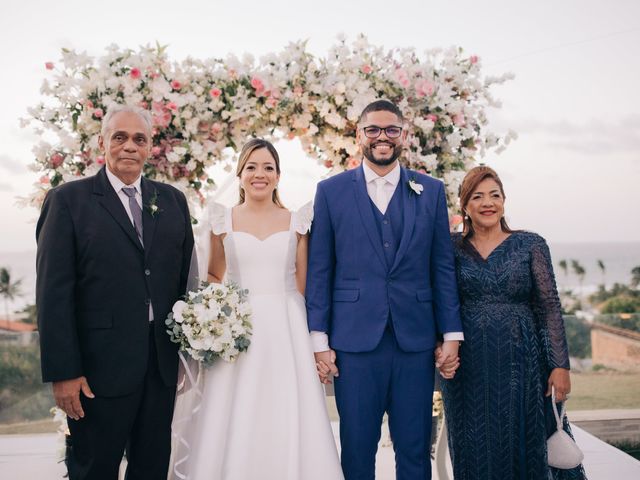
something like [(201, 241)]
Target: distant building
[(17, 333), (615, 347)]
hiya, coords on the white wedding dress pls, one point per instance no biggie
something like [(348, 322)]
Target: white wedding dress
[(264, 416)]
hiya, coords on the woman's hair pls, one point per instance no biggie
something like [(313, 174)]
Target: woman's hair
[(250, 147), (472, 179)]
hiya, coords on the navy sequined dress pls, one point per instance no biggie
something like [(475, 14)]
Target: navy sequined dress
[(497, 414)]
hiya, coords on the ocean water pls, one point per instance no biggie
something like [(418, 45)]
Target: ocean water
[(618, 258)]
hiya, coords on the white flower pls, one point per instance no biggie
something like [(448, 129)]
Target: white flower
[(177, 310), (415, 186)]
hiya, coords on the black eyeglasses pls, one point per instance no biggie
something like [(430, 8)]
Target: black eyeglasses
[(373, 131)]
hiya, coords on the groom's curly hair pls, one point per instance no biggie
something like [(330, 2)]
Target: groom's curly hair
[(381, 106)]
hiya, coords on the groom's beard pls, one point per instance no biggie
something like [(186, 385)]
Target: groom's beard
[(382, 162)]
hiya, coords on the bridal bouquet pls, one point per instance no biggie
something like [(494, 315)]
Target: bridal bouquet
[(213, 322)]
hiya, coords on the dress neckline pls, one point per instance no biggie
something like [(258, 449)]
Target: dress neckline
[(486, 259), (230, 223)]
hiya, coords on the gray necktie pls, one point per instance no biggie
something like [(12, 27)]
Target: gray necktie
[(136, 211)]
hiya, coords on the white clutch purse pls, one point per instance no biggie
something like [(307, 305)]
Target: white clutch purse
[(562, 451)]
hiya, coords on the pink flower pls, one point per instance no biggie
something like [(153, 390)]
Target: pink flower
[(171, 106), (176, 85), (401, 76), (48, 65), (216, 127), (424, 88), (100, 160), (272, 102), (328, 164), (215, 92), (155, 151), (432, 117), (473, 59), (455, 220), (44, 180), (366, 69), (458, 119), (143, 104), (56, 160), (352, 163), (257, 84), (297, 90), (135, 73), (89, 104), (161, 119), (98, 113)]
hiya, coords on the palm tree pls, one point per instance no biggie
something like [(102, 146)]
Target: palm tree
[(579, 270), (8, 289), (563, 266), (635, 276), (604, 272)]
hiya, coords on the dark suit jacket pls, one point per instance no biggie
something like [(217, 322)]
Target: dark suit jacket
[(95, 282), (351, 292)]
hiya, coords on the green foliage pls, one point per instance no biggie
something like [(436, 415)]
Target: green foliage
[(621, 304), (9, 289), (578, 334), (564, 267), (635, 276), (30, 313), (19, 367), (22, 394), (616, 290), (626, 321)]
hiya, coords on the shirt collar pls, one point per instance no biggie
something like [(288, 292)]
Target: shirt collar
[(393, 177), (118, 184)]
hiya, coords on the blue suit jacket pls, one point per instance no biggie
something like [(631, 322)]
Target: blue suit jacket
[(351, 292)]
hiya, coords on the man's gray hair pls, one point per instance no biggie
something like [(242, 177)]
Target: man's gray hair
[(117, 108)]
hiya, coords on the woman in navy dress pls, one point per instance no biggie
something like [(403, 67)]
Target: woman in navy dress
[(498, 405)]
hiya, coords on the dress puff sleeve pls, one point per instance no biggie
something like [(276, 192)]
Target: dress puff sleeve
[(218, 218), (547, 306), (302, 218)]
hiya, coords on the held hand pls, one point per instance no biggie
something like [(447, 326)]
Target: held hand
[(67, 396), (560, 379), (326, 365), (447, 359)]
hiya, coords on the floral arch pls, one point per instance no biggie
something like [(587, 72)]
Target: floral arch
[(203, 110)]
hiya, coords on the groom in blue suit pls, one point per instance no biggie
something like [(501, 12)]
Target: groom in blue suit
[(381, 289)]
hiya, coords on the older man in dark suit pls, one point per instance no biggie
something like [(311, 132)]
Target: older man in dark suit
[(114, 253)]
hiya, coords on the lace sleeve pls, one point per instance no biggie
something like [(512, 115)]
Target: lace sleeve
[(217, 216), (302, 218), (546, 304)]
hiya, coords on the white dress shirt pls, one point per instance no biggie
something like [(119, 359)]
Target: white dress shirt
[(118, 185), (380, 190)]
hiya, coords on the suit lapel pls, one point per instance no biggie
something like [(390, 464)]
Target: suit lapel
[(366, 214), (409, 216), (149, 197), (108, 198)]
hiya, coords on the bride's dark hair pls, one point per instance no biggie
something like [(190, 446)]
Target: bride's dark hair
[(250, 147)]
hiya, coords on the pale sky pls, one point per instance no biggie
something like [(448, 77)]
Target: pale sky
[(572, 175)]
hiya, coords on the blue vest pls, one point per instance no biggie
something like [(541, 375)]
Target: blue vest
[(390, 224)]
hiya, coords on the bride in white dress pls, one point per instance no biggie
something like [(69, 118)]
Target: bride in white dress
[(264, 416)]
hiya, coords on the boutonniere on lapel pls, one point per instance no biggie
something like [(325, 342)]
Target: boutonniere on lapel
[(152, 206), (415, 186)]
